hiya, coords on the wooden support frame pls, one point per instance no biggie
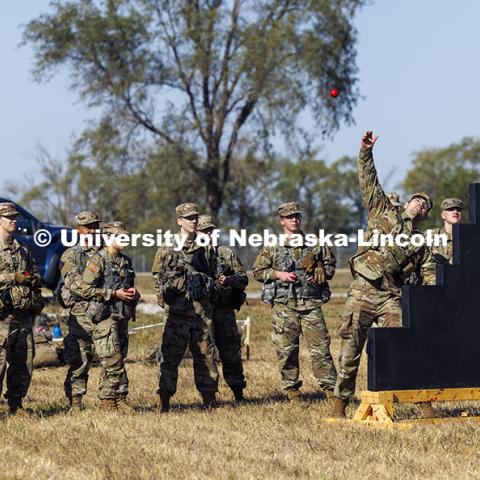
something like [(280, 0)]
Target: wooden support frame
[(377, 408)]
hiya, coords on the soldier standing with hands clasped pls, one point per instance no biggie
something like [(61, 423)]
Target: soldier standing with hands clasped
[(295, 283), (108, 286)]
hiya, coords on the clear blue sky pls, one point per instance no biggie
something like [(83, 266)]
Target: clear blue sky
[(419, 73)]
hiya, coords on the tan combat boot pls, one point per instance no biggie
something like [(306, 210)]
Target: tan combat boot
[(339, 406), (426, 410), (209, 399), (164, 403), (293, 395), (123, 406), (76, 404), (108, 405)]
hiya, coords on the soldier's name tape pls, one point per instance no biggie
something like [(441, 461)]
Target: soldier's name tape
[(241, 238)]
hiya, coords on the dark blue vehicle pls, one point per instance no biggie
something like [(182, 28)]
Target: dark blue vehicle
[(48, 257)]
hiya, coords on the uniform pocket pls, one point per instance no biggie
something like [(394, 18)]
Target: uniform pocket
[(278, 325), (105, 338), (345, 328), (346, 320)]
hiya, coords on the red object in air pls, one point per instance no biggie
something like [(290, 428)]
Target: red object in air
[(334, 92)]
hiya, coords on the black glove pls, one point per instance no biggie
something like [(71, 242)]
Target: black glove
[(6, 305), (197, 286)]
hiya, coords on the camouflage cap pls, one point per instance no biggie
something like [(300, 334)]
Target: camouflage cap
[(87, 218), (423, 195), (114, 228), (205, 222), (7, 209), (452, 202), (289, 208), (394, 198), (186, 210)]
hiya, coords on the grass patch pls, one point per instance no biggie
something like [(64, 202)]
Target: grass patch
[(265, 438)]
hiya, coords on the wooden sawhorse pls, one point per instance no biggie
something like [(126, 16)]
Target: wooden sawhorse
[(377, 408)]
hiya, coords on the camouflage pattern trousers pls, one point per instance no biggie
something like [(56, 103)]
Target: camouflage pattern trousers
[(365, 305), (107, 346), (180, 332), (3, 353), (288, 324), (228, 342), (17, 350), (82, 338), (78, 351), (124, 342)]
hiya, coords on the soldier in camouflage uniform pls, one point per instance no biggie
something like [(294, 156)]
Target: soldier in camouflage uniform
[(379, 272), (231, 281), (20, 300), (183, 282), (295, 283), (452, 209), (78, 343), (108, 286)]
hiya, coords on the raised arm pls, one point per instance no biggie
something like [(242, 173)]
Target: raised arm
[(374, 197)]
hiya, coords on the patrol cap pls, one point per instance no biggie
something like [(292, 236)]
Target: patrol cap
[(452, 202), (394, 198), (205, 222), (7, 209), (114, 228), (423, 195), (87, 218), (289, 208), (186, 210)]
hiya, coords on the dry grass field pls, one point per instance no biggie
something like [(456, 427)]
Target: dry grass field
[(264, 438)]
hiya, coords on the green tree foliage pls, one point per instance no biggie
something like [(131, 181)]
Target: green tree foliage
[(329, 194), (444, 172), (207, 76)]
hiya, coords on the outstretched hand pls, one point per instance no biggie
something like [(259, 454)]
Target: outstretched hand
[(368, 140)]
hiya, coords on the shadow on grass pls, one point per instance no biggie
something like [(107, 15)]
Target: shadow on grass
[(271, 399)]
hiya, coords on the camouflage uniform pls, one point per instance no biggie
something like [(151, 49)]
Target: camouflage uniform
[(227, 337), (228, 297), (24, 300), (188, 322), (379, 273), (443, 253), (78, 343), (104, 274), (3, 353), (297, 309)]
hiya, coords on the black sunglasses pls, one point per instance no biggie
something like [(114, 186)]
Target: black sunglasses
[(454, 209)]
